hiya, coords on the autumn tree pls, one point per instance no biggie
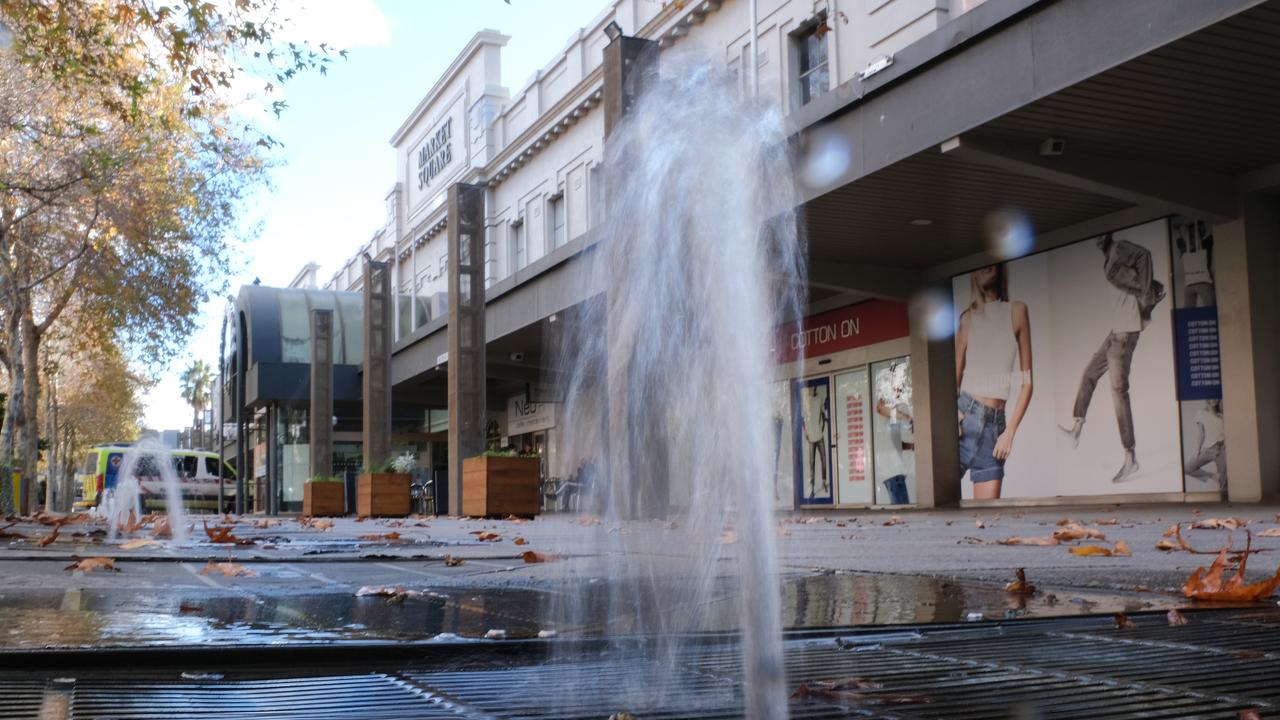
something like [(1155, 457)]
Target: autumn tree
[(122, 170)]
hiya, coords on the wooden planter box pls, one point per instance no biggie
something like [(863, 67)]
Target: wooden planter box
[(382, 495), (324, 499), (500, 486)]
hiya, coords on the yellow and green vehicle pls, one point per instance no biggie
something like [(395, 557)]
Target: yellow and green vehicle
[(197, 471)]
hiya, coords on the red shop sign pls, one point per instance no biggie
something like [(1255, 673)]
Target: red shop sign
[(853, 326)]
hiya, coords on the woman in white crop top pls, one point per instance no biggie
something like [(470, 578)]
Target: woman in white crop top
[(993, 347)]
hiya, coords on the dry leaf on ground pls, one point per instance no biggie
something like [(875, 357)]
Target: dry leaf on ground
[(223, 534), (138, 543), (1066, 521), (1218, 524), (393, 593), (1124, 623), (162, 529), (1209, 585), (1270, 532), (1028, 541), (1173, 530), (486, 536), (6, 534), (92, 563), (516, 520), (520, 541), (979, 524), (895, 520), (1106, 521), (1020, 586), (229, 569), (1165, 545), (376, 537), (536, 557), (1121, 549), (265, 523), (1075, 531), (1176, 618), (451, 561), (186, 609), (53, 535), (973, 540)]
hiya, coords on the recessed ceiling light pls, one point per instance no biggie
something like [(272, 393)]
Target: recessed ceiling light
[(921, 222)]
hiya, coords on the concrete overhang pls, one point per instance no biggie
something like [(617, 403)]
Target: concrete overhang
[(1161, 107)]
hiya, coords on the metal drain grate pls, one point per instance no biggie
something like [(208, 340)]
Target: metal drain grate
[(1214, 667)]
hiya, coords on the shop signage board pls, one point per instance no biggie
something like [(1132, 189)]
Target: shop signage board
[(526, 417), (846, 328)]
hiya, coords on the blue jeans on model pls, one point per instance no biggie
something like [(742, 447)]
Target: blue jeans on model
[(1114, 359), (979, 429)]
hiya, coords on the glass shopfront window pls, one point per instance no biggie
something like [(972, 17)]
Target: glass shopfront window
[(853, 439), (893, 424)]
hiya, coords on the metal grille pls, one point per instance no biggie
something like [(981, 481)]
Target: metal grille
[(1221, 663)]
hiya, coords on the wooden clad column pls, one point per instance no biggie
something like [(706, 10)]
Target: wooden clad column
[(466, 332), (631, 446), (321, 408), (376, 383)]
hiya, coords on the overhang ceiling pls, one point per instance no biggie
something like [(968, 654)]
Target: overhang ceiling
[(1208, 103)]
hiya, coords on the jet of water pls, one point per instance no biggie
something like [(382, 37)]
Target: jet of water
[(147, 469), (668, 378)]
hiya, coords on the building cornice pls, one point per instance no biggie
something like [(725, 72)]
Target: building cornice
[(479, 40), (563, 115)]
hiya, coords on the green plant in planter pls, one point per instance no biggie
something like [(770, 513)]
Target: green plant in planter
[(499, 453), (402, 464), (324, 478)]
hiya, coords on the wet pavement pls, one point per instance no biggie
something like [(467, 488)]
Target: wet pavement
[(839, 570)]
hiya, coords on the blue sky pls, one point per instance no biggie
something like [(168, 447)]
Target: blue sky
[(337, 164)]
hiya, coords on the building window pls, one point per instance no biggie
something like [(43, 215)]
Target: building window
[(519, 246), (813, 76), (555, 217)]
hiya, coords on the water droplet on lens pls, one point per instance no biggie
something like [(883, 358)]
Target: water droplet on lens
[(827, 158)]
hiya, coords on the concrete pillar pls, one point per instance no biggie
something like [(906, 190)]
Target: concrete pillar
[(376, 383), (321, 408), (466, 332), (1246, 258), (933, 381)]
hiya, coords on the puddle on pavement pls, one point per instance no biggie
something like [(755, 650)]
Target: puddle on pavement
[(114, 618)]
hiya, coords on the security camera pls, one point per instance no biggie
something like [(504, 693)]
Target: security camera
[(517, 357), (1052, 147)]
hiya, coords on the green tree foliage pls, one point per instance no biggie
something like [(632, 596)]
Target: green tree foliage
[(123, 168), (197, 385)]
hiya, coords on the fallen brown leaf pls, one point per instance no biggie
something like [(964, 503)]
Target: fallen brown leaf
[(1122, 548), (1020, 586), (486, 536), (1029, 541), (223, 534), (162, 530), (53, 535), (1270, 532), (1085, 550), (1107, 521), (520, 541), (1074, 531), (979, 524), (376, 537), (92, 563), (322, 525), (1218, 524), (895, 520), (1065, 521), (265, 523), (228, 569), (451, 561), (138, 543), (536, 557), (1165, 545), (393, 593), (185, 608), (1209, 585), (1173, 530), (1176, 618), (1123, 622), (974, 540), (516, 520)]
